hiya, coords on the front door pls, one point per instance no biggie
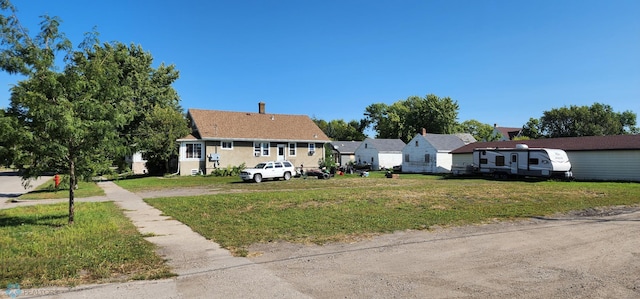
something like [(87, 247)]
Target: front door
[(281, 150)]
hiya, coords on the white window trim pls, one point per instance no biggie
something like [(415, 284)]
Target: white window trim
[(226, 148), (294, 146), (262, 149), (183, 151), (312, 147)]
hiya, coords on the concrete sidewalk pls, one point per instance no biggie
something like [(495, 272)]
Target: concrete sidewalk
[(204, 269)]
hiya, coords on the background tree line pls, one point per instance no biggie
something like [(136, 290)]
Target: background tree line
[(405, 118)]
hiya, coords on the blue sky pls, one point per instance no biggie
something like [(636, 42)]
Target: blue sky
[(503, 61)]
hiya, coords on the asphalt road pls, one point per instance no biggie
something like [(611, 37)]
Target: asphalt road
[(11, 184)]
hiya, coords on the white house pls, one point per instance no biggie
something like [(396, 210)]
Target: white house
[(593, 158), (506, 133), (431, 153), (380, 153), (137, 163)]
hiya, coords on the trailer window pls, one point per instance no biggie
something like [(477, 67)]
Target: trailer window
[(533, 161), (483, 160), (499, 160)]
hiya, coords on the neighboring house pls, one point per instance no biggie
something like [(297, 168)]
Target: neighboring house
[(222, 138), (345, 151), (505, 133), (600, 158), (137, 163), (431, 153), (380, 153)]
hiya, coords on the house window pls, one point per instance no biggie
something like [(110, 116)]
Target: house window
[(261, 149), (499, 160), (427, 158), (194, 150), (312, 147), (406, 157), (416, 143), (292, 149), (226, 144), (365, 145)]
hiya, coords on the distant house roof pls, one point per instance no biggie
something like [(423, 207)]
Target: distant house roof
[(506, 132), (250, 126), (448, 142), (386, 145), (346, 147), (587, 143)]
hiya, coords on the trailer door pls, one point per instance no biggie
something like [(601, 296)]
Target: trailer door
[(514, 163)]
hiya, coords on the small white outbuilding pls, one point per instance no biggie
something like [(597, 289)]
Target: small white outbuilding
[(431, 153), (380, 153)]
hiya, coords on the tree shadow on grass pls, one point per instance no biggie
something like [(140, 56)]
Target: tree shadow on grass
[(50, 220)]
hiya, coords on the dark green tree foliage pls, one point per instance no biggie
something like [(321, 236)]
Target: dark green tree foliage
[(532, 129), (403, 119), (105, 104), (595, 120), (480, 131), (341, 130)]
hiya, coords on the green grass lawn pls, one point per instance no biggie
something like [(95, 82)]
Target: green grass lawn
[(349, 207), (159, 183), (38, 248), (48, 191)]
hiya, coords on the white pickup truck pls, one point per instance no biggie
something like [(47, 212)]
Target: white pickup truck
[(269, 170)]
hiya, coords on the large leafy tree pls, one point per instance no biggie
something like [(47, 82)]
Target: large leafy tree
[(104, 104), (404, 118), (338, 129), (573, 121), (480, 131)]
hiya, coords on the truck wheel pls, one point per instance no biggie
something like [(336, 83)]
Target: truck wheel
[(287, 176), (257, 178)]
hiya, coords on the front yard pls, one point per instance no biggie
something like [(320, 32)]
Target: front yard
[(38, 248), (351, 207)]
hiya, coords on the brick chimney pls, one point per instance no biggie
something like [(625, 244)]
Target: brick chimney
[(424, 131), (261, 108)]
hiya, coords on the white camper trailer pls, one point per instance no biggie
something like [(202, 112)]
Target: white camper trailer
[(522, 161)]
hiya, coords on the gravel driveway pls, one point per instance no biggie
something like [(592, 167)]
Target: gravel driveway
[(593, 254)]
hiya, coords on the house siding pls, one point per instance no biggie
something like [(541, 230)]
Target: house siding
[(243, 152), (613, 165), (417, 163)]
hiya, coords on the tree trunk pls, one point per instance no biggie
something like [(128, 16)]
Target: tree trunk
[(72, 185)]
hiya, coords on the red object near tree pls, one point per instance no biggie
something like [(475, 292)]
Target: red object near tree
[(56, 180)]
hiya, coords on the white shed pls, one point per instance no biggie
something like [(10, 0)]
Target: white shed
[(431, 153), (380, 153)]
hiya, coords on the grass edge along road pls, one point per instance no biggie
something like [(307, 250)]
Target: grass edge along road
[(320, 211), (39, 248)]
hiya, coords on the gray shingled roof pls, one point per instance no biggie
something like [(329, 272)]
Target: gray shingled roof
[(448, 142), (386, 145), (345, 147)]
